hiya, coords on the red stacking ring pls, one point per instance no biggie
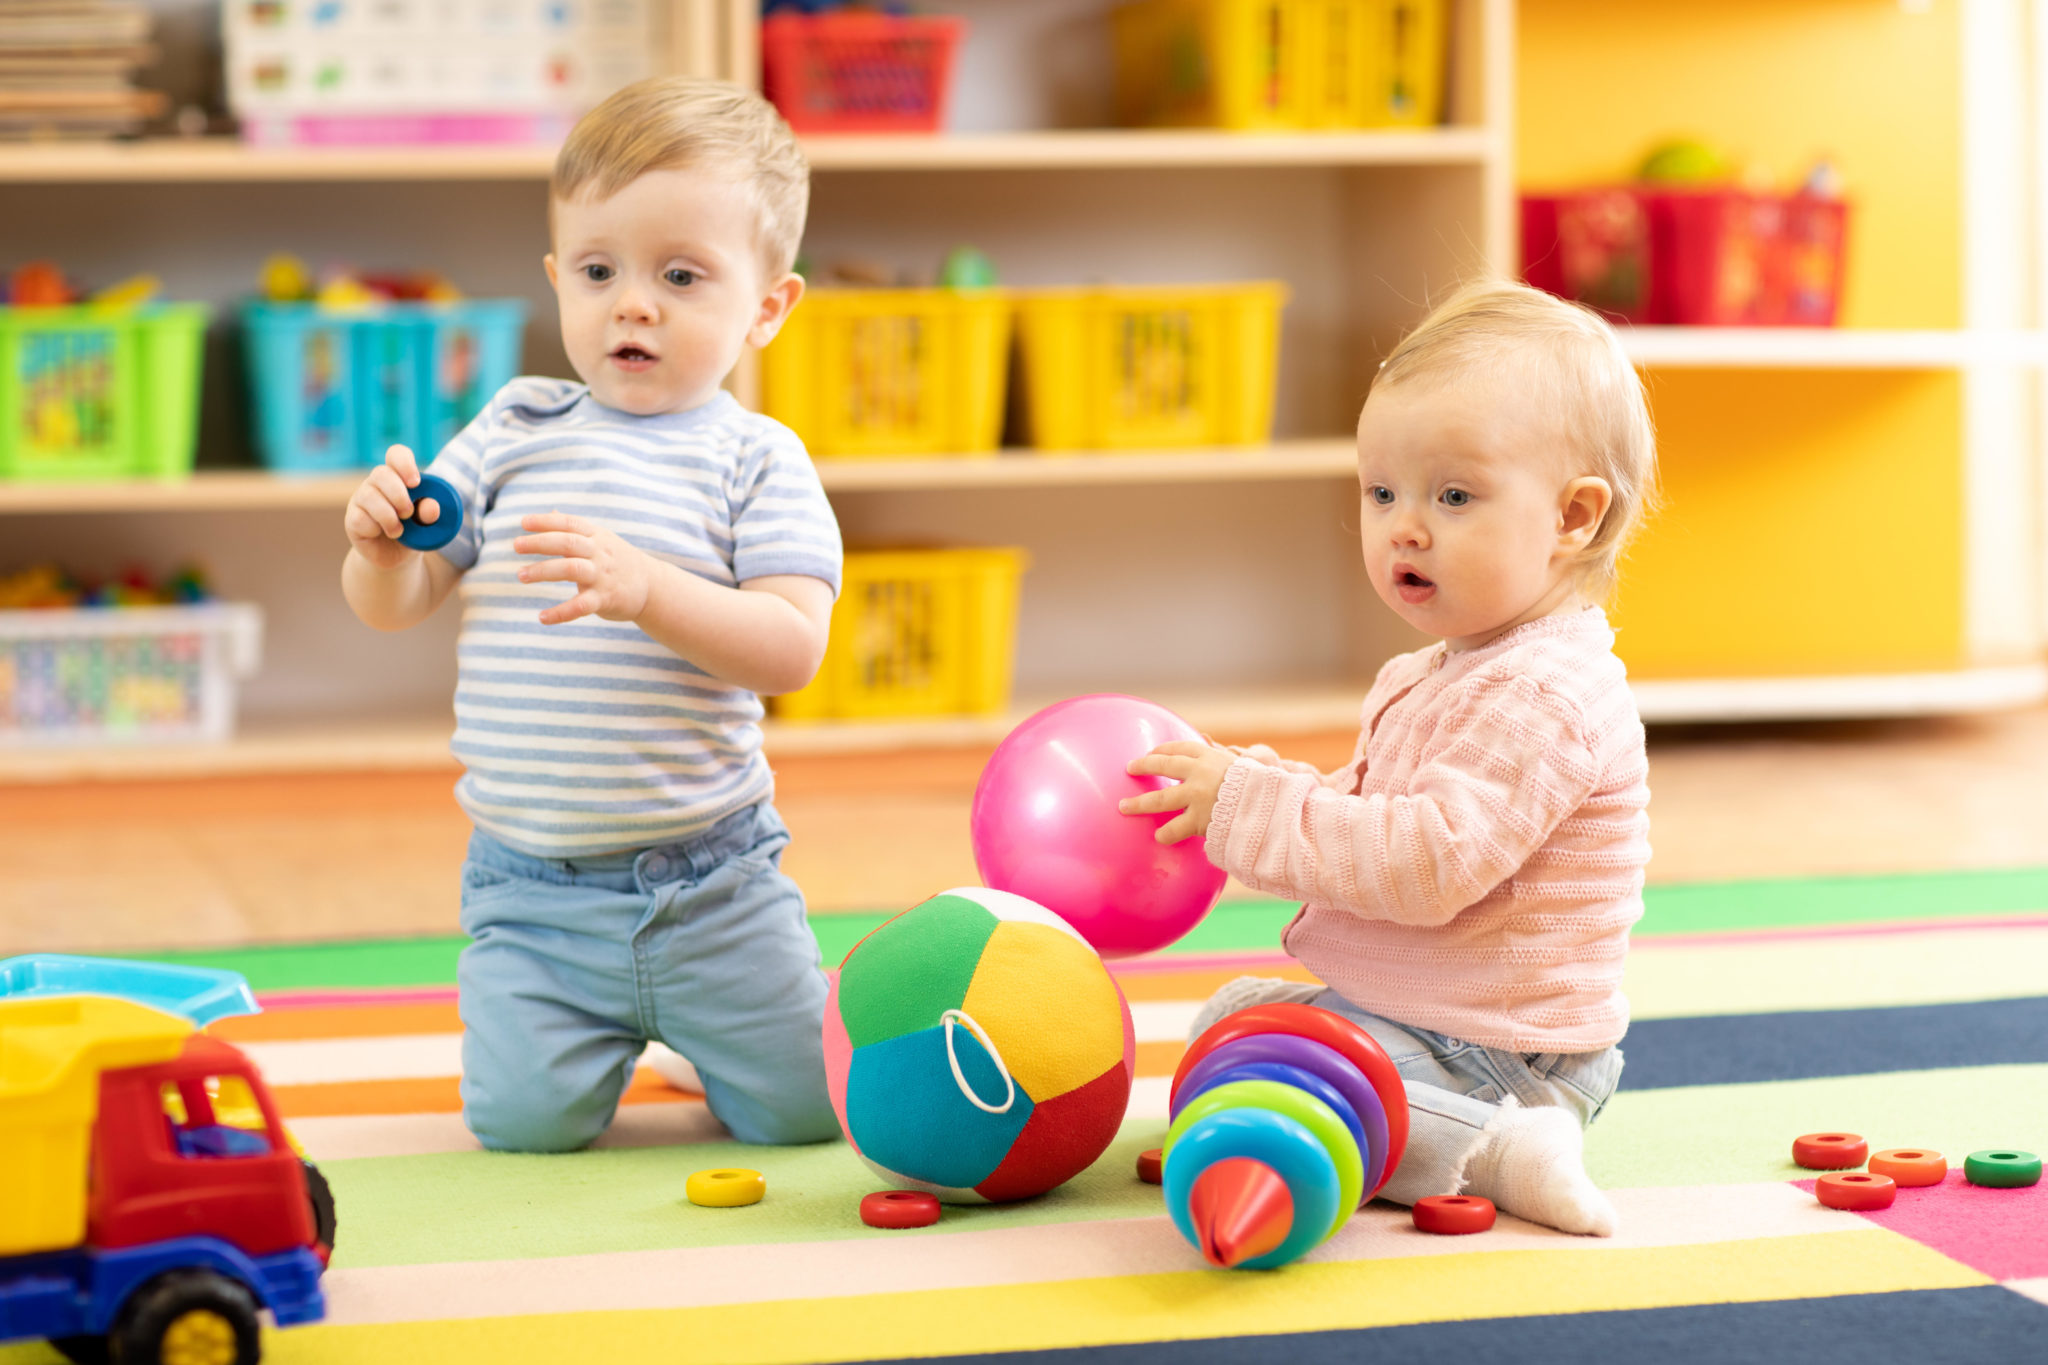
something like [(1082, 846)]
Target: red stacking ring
[(1453, 1215), (1829, 1151), (899, 1209), (1332, 1031), (1151, 1166), (1910, 1167), (1855, 1191)]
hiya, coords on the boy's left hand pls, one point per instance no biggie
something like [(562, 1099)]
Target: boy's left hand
[(615, 578), (1199, 768)]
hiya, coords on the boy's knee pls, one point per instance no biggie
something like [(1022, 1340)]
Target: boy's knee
[(521, 1126), (778, 1120)]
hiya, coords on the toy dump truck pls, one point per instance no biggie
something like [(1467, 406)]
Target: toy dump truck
[(151, 1203)]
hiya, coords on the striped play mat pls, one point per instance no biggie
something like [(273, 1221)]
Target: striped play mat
[(1913, 1010)]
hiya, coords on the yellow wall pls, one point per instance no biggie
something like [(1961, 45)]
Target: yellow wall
[(1777, 84), (1813, 525)]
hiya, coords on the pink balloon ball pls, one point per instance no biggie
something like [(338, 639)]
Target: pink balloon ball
[(1046, 826)]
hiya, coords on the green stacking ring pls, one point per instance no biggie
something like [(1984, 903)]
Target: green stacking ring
[(2002, 1170), (1305, 1109)]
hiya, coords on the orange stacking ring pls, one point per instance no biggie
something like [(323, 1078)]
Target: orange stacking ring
[(1855, 1191), (1910, 1167), (1333, 1031), (1151, 1165), (1829, 1151), (1453, 1215)]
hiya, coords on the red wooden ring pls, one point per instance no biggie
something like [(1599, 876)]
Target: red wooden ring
[(1151, 1166), (1910, 1167), (1855, 1191), (1331, 1030), (1453, 1215), (1829, 1151), (899, 1209)]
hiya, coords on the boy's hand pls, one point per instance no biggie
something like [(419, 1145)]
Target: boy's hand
[(614, 576), (378, 509), (1199, 768)]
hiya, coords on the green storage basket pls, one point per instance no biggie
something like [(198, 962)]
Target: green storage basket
[(93, 392)]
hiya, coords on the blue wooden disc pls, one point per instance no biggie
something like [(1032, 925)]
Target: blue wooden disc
[(420, 535)]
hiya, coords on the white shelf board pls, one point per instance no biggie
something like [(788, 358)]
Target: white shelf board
[(229, 490), (222, 159), (1828, 348), (1842, 697)]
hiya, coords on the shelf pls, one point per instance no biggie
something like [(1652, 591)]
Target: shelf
[(1856, 696), (209, 160), (1828, 348), (234, 490)]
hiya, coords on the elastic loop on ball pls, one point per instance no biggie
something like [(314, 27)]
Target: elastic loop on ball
[(960, 1077)]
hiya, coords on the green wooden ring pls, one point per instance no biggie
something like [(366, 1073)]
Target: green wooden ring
[(2001, 1168), (1305, 1109)]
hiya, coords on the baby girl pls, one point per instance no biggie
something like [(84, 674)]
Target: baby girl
[(1471, 875)]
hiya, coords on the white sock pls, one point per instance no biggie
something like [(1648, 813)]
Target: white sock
[(1243, 992), (1531, 1163), (673, 1067)]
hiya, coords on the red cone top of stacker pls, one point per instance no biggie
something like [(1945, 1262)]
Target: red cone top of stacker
[(1240, 1209)]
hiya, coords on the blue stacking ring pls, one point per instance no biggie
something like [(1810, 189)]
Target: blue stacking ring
[(419, 535), (1311, 1056), (1290, 1150), (1300, 1080)]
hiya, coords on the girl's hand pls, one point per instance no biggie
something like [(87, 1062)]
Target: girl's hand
[(378, 509), (1199, 769), (615, 577)]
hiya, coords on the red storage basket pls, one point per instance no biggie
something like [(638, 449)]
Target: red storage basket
[(860, 72)]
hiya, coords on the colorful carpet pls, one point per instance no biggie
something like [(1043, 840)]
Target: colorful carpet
[(1909, 1009)]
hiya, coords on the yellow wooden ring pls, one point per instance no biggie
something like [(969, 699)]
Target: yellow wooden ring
[(730, 1188)]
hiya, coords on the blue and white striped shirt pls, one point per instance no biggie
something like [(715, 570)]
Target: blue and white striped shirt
[(591, 737)]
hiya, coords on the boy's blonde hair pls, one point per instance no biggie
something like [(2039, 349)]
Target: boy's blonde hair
[(1577, 366), (672, 122)]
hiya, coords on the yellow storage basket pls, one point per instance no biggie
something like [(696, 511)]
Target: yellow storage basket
[(1281, 63), (891, 372), (1162, 365), (918, 633)]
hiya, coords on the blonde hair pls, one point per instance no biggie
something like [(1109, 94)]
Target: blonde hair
[(1576, 364), (672, 122)]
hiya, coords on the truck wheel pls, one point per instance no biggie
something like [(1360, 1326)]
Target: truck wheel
[(188, 1317), (81, 1350), (322, 1199)]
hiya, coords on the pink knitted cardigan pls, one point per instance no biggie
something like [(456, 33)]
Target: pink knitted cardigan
[(1476, 867)]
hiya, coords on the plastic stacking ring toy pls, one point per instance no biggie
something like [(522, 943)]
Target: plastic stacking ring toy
[(899, 1209), (1855, 1190), (1306, 1110), (1151, 1164), (419, 535), (731, 1188), (1275, 1141), (1453, 1215), (2002, 1169), (1317, 1059), (1301, 1080), (1331, 1030), (1829, 1151), (1910, 1167)]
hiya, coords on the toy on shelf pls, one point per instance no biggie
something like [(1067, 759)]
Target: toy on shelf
[(1265, 1161), (1855, 1191), (977, 1049), (1829, 1151), (1045, 825), (2002, 1169), (727, 1188), (1452, 1215), (47, 586), (156, 1205), (897, 1209), (859, 71), (1910, 1168)]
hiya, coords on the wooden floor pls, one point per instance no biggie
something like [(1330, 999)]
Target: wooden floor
[(118, 866)]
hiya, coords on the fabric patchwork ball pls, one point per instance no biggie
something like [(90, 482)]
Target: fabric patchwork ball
[(977, 1048)]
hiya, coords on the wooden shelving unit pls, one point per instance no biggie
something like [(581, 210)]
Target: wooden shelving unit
[(1831, 348)]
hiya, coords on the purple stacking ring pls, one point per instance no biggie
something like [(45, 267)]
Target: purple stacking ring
[(1317, 1060), (1306, 1081)]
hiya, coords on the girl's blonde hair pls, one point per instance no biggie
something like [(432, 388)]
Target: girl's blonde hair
[(672, 122), (1575, 363)]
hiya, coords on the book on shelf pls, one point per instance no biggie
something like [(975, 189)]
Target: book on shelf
[(67, 69)]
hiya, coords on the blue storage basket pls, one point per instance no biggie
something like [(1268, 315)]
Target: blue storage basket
[(334, 389)]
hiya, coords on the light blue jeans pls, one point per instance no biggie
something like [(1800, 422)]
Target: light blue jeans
[(577, 963), (1456, 1088)]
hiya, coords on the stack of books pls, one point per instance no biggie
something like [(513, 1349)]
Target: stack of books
[(67, 69)]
